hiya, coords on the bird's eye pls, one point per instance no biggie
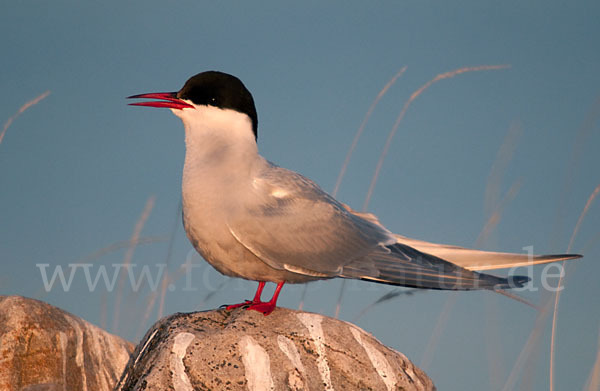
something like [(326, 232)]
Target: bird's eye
[(213, 100)]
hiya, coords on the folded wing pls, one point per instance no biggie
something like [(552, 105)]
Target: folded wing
[(291, 224)]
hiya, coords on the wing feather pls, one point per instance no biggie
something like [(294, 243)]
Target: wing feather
[(290, 223), (406, 266)]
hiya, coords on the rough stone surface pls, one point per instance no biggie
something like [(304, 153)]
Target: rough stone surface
[(245, 350), (43, 348)]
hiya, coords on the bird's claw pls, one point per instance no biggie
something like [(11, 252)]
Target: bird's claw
[(230, 307)]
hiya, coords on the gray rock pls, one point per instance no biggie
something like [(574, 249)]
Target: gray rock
[(43, 348), (245, 350)]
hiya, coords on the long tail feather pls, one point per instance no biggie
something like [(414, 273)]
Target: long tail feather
[(481, 260), (474, 260), (406, 266)]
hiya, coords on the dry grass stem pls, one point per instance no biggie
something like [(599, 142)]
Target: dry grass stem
[(503, 158), (580, 142), (532, 342), (495, 216), (27, 105), (561, 281), (414, 96), (593, 381), (119, 246), (361, 129), (129, 255), (338, 182), (437, 331)]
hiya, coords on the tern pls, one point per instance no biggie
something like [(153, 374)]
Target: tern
[(252, 219)]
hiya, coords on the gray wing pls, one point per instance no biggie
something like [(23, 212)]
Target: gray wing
[(291, 224)]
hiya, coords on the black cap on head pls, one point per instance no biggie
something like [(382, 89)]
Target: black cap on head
[(220, 90)]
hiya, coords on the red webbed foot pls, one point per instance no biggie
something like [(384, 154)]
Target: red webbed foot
[(256, 304), (264, 307)]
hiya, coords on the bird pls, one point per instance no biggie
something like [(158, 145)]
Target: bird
[(252, 219)]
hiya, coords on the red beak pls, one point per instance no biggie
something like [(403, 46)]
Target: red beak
[(169, 100)]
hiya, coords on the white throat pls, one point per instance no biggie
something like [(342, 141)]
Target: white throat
[(216, 137), (221, 153)]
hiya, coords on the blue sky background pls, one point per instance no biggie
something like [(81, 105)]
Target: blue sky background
[(77, 169)]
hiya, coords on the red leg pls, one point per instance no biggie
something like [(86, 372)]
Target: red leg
[(268, 307), (261, 285)]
